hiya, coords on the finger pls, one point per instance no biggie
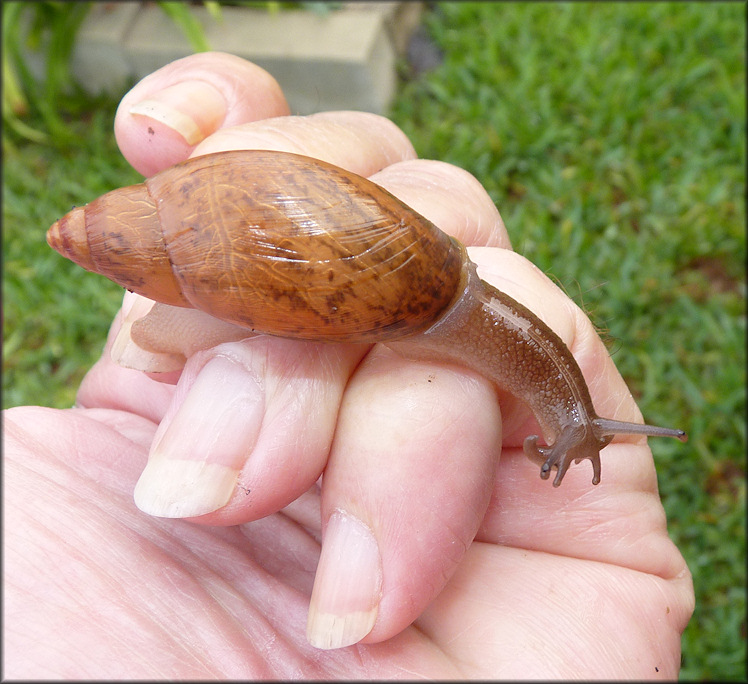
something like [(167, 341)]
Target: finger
[(357, 141), (248, 430), (107, 385), (161, 120), (159, 338), (406, 486), (620, 521)]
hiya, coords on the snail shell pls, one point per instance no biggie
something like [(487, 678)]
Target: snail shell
[(276, 243)]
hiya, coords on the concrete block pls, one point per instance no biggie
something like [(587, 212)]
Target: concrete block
[(99, 62), (401, 19), (343, 60)]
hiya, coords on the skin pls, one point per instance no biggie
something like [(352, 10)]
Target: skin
[(483, 564)]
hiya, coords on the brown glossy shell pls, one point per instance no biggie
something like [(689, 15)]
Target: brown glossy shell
[(275, 242)]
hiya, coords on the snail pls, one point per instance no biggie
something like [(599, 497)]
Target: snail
[(286, 245)]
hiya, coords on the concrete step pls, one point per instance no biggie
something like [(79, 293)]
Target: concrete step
[(345, 59)]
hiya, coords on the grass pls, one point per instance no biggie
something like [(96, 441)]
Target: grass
[(56, 316), (612, 138)]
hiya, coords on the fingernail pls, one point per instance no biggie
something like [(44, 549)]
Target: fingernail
[(130, 300), (194, 109), (347, 586), (193, 468), (126, 353)]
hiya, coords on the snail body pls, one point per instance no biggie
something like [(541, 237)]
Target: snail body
[(286, 245)]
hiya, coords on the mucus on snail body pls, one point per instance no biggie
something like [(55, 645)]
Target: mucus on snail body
[(292, 246)]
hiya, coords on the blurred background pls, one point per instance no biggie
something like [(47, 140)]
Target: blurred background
[(610, 135)]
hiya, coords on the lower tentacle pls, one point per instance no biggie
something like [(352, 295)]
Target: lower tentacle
[(573, 444)]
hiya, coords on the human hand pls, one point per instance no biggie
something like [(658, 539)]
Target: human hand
[(576, 581)]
